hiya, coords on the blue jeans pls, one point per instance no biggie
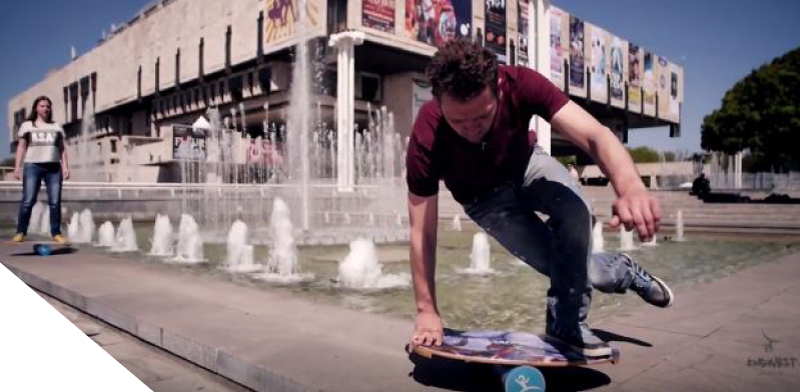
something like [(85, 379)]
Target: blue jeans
[(32, 176), (559, 248)]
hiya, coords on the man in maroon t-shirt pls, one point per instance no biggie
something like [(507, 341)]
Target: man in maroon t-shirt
[(474, 136)]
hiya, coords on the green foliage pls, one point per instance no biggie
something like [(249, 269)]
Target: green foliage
[(7, 162), (567, 159), (761, 113), (644, 155)]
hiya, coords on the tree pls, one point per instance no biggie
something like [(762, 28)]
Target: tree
[(644, 155), (761, 113)]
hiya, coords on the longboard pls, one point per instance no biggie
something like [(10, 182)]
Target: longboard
[(43, 248), (522, 352)]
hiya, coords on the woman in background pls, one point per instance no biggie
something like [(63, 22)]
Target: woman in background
[(41, 155)]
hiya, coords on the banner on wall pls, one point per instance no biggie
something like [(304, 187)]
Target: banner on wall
[(556, 48), (616, 73), (188, 144), (282, 16), (437, 22), (674, 106), (649, 84), (522, 58), (577, 72), (599, 60), (634, 79), (662, 75), (378, 15), (495, 36)]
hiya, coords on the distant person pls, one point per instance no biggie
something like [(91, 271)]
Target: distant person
[(474, 136), (574, 174), (41, 156), (701, 186)]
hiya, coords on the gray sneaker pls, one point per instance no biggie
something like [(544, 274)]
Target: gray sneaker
[(652, 289), (581, 339)]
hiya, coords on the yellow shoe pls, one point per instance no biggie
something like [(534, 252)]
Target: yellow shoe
[(60, 239), (19, 237)]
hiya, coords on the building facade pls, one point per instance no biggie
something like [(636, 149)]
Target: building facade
[(177, 58)]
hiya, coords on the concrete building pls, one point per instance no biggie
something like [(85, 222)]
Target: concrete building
[(176, 58)]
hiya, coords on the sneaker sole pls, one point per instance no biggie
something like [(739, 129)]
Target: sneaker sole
[(587, 352), (669, 291)]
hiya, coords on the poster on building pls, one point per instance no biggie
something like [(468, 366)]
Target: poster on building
[(556, 48), (674, 105), (378, 15), (662, 91), (188, 144), (495, 36), (577, 72), (522, 57), (283, 16), (634, 79), (599, 90), (617, 57), (421, 93), (649, 84), (437, 22)]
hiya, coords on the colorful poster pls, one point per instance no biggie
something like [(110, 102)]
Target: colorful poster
[(634, 79), (378, 15), (599, 59), (282, 15), (188, 144), (522, 58), (577, 72), (437, 22), (649, 84), (662, 75), (556, 48), (617, 71), (495, 37), (674, 106)]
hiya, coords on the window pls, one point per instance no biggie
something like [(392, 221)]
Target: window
[(113, 146)]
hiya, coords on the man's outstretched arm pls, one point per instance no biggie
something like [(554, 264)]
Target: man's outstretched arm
[(634, 207), (423, 213)]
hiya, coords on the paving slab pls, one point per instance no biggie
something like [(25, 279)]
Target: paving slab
[(716, 337)]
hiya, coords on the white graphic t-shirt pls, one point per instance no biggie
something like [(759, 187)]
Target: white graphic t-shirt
[(43, 142)]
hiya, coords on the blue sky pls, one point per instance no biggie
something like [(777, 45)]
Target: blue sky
[(717, 43)]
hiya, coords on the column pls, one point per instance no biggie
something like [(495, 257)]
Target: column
[(345, 101)]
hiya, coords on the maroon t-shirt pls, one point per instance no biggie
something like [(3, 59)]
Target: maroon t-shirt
[(436, 151)]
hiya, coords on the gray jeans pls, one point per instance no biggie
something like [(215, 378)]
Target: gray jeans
[(559, 248)]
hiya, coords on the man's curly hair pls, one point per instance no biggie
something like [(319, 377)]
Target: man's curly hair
[(462, 69)]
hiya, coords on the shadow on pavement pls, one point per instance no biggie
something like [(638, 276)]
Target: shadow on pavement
[(463, 376)]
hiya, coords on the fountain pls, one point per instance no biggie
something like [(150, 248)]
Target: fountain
[(190, 244), (162, 242), (598, 243), (73, 228), (86, 227), (126, 237), (361, 269), (282, 264), (679, 226), (481, 256), (240, 254), (106, 236), (626, 239), (457, 223), (653, 242), (35, 223), (44, 227)]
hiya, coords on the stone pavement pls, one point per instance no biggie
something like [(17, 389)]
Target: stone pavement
[(159, 370), (740, 333)]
